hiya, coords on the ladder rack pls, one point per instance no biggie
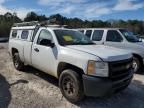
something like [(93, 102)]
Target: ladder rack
[(47, 23), (32, 23)]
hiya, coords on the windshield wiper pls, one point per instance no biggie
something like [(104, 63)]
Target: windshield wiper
[(83, 44), (90, 43)]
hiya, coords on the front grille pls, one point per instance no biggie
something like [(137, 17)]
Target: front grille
[(120, 69), (120, 72)]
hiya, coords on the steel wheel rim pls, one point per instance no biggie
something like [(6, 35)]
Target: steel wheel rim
[(16, 62), (68, 86), (135, 66)]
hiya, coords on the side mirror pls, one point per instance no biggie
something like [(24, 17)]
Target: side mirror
[(46, 42)]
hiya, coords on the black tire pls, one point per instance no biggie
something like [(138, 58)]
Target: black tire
[(18, 64), (136, 65), (71, 86)]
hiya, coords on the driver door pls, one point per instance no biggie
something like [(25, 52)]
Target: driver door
[(114, 39), (43, 56)]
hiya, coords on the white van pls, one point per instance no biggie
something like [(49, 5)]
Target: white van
[(119, 38)]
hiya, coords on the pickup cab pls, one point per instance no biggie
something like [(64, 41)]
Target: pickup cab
[(82, 68), (119, 38)]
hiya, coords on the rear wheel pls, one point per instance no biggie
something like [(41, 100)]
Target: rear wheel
[(136, 65), (71, 86), (18, 64)]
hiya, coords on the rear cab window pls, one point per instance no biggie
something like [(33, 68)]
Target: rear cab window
[(97, 35), (88, 33)]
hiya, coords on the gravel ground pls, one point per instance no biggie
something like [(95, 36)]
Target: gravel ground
[(35, 89)]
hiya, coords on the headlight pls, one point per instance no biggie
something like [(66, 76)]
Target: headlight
[(98, 68)]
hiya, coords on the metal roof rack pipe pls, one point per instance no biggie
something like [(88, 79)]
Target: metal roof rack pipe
[(32, 23), (47, 23)]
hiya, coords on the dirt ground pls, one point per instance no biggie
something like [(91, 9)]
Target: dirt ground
[(35, 89)]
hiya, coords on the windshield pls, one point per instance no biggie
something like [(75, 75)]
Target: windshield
[(70, 37), (129, 36)]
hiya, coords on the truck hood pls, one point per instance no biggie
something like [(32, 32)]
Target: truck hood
[(106, 53)]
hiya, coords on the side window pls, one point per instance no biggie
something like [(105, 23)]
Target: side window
[(24, 34), (114, 36), (88, 33), (44, 34), (14, 33), (97, 35)]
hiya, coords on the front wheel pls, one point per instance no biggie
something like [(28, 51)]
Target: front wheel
[(71, 86)]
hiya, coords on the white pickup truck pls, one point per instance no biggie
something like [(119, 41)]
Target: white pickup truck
[(83, 68)]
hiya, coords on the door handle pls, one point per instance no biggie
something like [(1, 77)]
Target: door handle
[(36, 49)]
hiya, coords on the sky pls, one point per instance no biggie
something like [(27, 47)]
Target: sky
[(84, 9)]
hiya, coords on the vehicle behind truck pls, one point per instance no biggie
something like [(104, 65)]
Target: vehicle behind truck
[(82, 68), (118, 38)]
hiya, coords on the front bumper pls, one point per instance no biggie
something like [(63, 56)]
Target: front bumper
[(101, 87)]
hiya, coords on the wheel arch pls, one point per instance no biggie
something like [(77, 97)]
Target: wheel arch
[(139, 57), (63, 66), (14, 50)]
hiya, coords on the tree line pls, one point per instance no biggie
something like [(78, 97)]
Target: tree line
[(7, 20)]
